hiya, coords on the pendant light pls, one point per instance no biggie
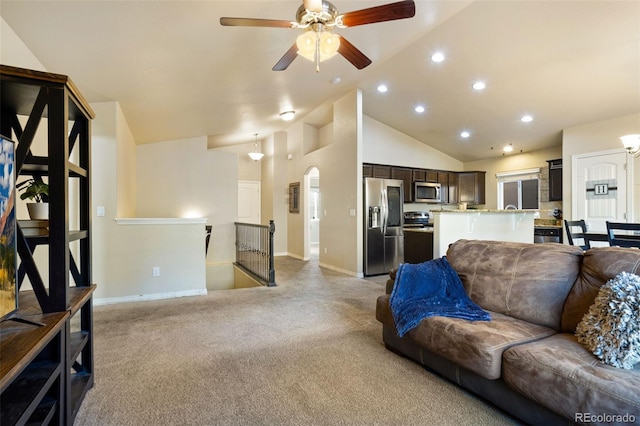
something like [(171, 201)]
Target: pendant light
[(256, 155)]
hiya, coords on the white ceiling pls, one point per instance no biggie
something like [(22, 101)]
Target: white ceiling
[(178, 73)]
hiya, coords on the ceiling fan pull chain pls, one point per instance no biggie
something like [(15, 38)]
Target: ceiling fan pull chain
[(318, 50)]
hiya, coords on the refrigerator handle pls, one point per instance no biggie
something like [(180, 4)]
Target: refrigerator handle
[(385, 211)]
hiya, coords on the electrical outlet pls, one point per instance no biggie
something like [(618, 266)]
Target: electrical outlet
[(155, 271)]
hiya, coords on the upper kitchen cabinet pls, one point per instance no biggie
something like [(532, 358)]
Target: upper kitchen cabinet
[(555, 180), (452, 189), (383, 172), (419, 175), (471, 187), (443, 180), (432, 176), (405, 174)]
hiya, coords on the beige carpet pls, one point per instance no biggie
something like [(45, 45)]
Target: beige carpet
[(308, 352)]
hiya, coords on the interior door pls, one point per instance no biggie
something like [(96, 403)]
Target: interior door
[(249, 202), (600, 189)]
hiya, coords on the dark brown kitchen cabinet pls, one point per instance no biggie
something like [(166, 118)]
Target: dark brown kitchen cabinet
[(453, 188), (555, 180), (419, 175), (432, 176), (418, 245), (471, 187), (405, 174), (443, 180), (367, 170), (381, 171)]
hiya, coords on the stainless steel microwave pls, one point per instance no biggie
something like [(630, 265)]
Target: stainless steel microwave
[(426, 192)]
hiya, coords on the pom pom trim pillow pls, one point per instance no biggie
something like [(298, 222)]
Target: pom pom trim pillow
[(611, 327)]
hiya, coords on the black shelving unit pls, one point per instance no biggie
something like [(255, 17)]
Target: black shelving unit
[(33, 100)]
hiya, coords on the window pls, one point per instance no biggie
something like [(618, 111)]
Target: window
[(518, 189)]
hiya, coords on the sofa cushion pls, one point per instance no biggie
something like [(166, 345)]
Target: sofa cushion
[(599, 266), (475, 345), (559, 373), (525, 281)]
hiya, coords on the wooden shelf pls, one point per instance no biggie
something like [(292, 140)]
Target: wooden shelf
[(80, 384), (37, 236), (78, 297), (51, 102), (31, 367), (21, 343), (38, 165)]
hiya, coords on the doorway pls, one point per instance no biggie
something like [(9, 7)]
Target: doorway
[(602, 182), (312, 214)]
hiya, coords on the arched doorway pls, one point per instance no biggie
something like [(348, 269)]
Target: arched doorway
[(312, 214)]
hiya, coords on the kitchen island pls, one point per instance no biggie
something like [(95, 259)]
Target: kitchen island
[(498, 225)]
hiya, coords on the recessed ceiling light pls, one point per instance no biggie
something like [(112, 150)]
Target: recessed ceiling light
[(419, 109), (526, 118), (382, 88), (437, 57), (465, 134), (507, 148), (336, 80), (287, 115), (479, 85)]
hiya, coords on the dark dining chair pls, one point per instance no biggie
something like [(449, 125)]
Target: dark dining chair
[(622, 234), (576, 230)]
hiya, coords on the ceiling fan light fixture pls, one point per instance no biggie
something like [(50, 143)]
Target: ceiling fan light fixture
[(631, 144), (325, 43)]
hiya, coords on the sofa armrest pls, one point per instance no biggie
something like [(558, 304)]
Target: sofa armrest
[(391, 280)]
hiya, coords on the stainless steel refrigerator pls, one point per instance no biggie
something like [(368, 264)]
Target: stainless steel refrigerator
[(383, 221)]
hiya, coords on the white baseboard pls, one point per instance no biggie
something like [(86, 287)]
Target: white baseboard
[(343, 271), (295, 256), (147, 297)]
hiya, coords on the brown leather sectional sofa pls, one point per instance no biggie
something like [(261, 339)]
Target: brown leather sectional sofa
[(526, 360)]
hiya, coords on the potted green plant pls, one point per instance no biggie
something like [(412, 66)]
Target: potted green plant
[(38, 192)]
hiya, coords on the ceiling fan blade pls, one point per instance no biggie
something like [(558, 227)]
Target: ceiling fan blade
[(286, 60), (313, 5), (352, 54), (255, 22), (387, 12)]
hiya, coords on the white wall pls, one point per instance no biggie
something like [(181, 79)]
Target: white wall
[(247, 168), (382, 144), (123, 256), (600, 136), (336, 158), (14, 52), (182, 178), (274, 197)]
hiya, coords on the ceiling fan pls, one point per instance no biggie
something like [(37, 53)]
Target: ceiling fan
[(318, 18)]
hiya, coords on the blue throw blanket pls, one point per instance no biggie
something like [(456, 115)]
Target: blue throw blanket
[(429, 289)]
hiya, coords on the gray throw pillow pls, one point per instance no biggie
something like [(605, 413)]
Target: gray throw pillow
[(611, 327)]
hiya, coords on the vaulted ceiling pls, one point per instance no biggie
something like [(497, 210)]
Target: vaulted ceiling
[(178, 73)]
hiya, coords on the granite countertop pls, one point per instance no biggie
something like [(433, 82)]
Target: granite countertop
[(548, 223)]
